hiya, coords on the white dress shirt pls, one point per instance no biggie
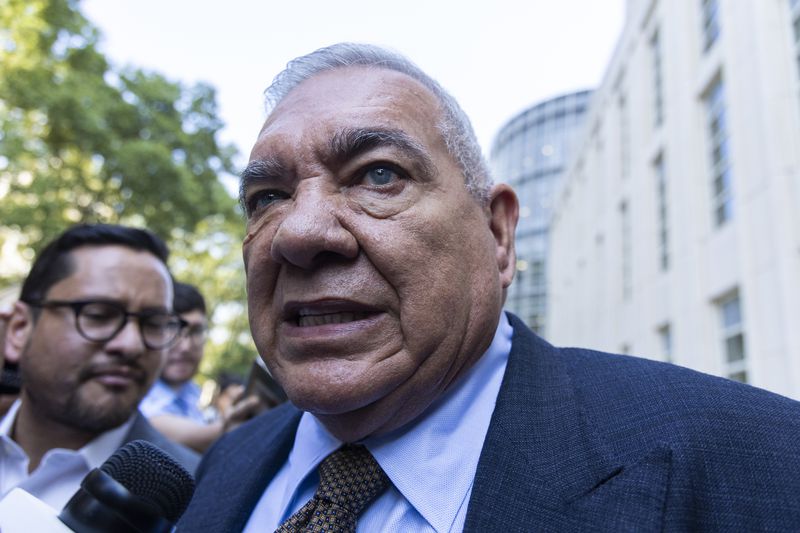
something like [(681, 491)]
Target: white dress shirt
[(61, 471), (431, 463)]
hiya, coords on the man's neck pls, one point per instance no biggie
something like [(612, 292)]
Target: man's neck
[(37, 435), (175, 386)]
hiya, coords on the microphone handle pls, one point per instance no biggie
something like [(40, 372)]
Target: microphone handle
[(103, 505)]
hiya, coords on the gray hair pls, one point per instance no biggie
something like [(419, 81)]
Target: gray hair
[(454, 126)]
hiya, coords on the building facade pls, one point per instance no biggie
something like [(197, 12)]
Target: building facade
[(677, 233), (531, 153)]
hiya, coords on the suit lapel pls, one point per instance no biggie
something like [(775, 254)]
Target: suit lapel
[(542, 465), (243, 464)]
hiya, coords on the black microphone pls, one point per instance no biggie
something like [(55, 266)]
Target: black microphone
[(139, 489)]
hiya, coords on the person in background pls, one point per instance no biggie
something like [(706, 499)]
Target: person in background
[(172, 404), (9, 376), (227, 389), (5, 315), (378, 253), (89, 334), (174, 392)]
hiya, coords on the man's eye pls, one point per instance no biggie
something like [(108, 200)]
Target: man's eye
[(160, 321), (261, 199), (100, 313), (381, 175)]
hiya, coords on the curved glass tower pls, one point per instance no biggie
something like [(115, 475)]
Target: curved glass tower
[(531, 152)]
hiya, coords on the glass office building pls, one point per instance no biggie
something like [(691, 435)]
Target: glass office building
[(531, 152)]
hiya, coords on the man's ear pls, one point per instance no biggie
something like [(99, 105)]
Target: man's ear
[(503, 215), (18, 331)]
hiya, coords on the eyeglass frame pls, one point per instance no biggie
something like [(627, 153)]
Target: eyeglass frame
[(78, 305), (192, 331)]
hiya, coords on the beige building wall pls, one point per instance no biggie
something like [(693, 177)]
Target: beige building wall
[(658, 271)]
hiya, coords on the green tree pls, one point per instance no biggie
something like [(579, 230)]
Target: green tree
[(83, 141), (214, 264)]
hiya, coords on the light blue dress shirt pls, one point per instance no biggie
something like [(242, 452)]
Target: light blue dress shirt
[(431, 463), (164, 400)]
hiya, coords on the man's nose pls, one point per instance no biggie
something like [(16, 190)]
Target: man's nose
[(128, 341), (311, 230)]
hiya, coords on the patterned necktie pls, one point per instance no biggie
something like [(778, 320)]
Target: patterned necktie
[(349, 479)]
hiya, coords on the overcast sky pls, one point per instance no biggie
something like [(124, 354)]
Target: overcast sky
[(496, 58)]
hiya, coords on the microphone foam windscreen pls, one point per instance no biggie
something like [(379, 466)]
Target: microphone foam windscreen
[(153, 475)]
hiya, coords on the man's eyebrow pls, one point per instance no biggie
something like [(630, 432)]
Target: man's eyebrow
[(348, 143), (260, 170)]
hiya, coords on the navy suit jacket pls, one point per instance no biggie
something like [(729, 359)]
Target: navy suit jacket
[(142, 429), (579, 440)]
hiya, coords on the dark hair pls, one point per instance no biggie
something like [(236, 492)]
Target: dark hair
[(187, 298), (226, 379), (55, 263)]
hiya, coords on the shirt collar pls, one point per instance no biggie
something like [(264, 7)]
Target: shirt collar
[(8, 421), (104, 445), (434, 456), (95, 452)]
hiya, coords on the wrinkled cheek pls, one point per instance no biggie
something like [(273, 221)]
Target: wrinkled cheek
[(259, 298), (257, 238), (259, 270), (254, 229)]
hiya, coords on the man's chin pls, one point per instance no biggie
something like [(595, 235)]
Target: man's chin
[(332, 399), (351, 420), (93, 420), (102, 412), (177, 375)]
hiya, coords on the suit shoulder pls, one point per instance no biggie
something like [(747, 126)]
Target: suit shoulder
[(264, 430), (142, 429), (680, 402), (257, 428)]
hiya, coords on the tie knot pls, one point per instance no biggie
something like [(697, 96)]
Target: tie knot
[(351, 478)]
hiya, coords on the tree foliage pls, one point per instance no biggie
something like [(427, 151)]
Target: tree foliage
[(83, 141)]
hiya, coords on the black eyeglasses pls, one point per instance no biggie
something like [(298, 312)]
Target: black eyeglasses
[(100, 321), (196, 333)]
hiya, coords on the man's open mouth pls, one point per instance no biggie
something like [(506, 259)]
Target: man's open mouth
[(307, 320)]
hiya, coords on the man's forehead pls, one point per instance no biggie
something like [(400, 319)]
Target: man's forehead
[(347, 102), (195, 316), (351, 90), (101, 267), (89, 256)]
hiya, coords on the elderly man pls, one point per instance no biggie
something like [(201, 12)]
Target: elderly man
[(89, 333), (377, 257)]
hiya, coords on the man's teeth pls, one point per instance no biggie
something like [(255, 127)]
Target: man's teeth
[(330, 318)]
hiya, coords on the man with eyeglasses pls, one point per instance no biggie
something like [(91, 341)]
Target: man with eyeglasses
[(172, 403), (89, 333), (174, 393)]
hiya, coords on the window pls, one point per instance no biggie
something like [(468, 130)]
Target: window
[(536, 322), (625, 225), (537, 276), (794, 7), (730, 313), (624, 138), (721, 194), (658, 90), (662, 213), (710, 9), (665, 342)]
